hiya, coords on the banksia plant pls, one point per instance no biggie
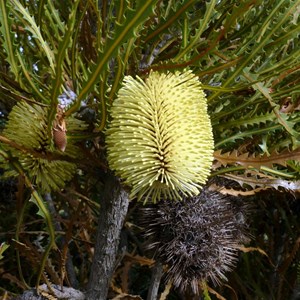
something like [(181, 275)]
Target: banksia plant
[(27, 128), (198, 238), (160, 137)]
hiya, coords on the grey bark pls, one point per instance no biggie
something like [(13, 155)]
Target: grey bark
[(113, 210), (64, 293), (157, 273)]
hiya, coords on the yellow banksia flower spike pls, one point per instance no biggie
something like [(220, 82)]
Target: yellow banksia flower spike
[(160, 138), (27, 126)]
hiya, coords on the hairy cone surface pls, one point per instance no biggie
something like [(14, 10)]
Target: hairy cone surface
[(197, 238), (27, 126), (160, 137)]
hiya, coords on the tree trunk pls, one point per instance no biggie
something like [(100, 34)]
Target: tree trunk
[(113, 210), (157, 273)]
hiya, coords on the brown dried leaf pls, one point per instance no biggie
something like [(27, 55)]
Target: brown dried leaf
[(232, 192), (166, 292), (13, 279), (251, 249), (143, 261), (124, 276), (233, 291), (212, 291), (265, 182), (127, 297)]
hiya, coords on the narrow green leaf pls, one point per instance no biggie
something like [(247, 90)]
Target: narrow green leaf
[(33, 28), (205, 290), (261, 118), (246, 134), (122, 33), (266, 32), (29, 78), (40, 11), (171, 18), (41, 212), (54, 15), (8, 40), (120, 67), (64, 44), (203, 24), (282, 118)]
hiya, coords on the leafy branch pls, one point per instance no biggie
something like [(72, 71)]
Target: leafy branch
[(43, 211)]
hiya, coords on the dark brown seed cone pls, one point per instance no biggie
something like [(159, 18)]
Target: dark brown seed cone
[(198, 238), (60, 139)]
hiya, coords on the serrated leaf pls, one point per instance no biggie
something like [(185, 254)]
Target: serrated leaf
[(282, 118), (8, 39), (275, 183), (253, 49), (34, 29), (41, 210), (175, 11), (3, 247), (246, 134), (248, 160), (210, 14), (258, 119), (54, 18), (235, 192), (29, 76)]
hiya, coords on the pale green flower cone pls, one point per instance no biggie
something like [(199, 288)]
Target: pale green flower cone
[(27, 126), (160, 138)]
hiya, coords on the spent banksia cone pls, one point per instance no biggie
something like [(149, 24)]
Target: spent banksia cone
[(197, 238), (160, 137)]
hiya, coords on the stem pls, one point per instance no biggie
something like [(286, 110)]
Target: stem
[(157, 273), (20, 218), (48, 155), (114, 206), (62, 242)]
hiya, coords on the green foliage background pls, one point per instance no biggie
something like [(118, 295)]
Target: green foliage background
[(247, 56)]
